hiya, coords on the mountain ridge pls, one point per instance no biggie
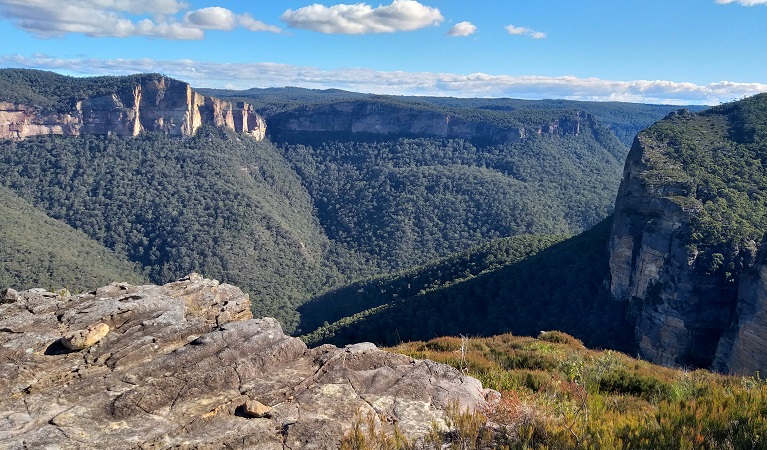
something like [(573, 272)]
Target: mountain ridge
[(31, 103)]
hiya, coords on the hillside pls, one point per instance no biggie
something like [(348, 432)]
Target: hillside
[(372, 293), (402, 201), (346, 188), (39, 251), (215, 204), (560, 287), (557, 394), (687, 248)]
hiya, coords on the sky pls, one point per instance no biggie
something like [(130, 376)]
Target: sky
[(649, 51)]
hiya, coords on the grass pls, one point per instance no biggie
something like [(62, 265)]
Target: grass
[(557, 394)]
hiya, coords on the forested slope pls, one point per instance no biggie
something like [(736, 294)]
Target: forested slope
[(561, 287), (402, 202), (225, 206), (38, 251), (439, 274)]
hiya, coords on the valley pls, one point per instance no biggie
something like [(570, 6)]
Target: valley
[(354, 217)]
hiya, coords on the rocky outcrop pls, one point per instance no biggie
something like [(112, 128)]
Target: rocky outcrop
[(184, 365), (686, 314), (155, 104), (355, 118)]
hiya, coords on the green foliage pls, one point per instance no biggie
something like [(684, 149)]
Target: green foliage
[(560, 287), (364, 295), (713, 165), (39, 251), (52, 92), (398, 203), (228, 208), (574, 404)]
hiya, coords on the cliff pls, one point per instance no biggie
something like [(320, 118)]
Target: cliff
[(151, 103), (381, 119), (184, 365), (688, 226)]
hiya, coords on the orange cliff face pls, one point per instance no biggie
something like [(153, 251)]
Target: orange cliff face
[(163, 104)]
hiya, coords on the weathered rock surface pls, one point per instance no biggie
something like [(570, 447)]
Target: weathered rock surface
[(156, 104), (183, 365), (378, 119)]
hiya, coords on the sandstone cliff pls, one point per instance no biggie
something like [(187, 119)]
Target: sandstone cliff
[(375, 118), (696, 302), (154, 104), (185, 366)]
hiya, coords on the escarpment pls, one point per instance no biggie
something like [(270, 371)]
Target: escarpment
[(186, 365), (379, 119), (689, 224), (151, 103)]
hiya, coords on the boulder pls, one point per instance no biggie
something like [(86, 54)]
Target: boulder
[(9, 296), (80, 339), (254, 408)]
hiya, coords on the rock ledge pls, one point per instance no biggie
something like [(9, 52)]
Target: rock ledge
[(183, 364)]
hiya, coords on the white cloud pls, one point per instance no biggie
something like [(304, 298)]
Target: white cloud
[(462, 29), (212, 18), (247, 75), (525, 32), (361, 18), (100, 18), (248, 22), (743, 2)]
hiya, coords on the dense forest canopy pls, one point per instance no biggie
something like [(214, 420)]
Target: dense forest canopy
[(216, 204), (52, 92), (39, 251), (405, 201), (555, 286), (715, 161)]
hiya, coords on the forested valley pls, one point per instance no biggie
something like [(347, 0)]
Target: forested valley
[(324, 230)]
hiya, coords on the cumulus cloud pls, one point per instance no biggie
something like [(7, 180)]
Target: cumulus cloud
[(100, 18), (743, 2), (361, 18), (525, 32), (247, 75), (212, 18), (462, 29)]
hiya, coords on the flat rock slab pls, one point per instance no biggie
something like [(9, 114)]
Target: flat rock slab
[(185, 365)]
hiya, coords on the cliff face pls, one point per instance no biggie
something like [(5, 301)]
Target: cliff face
[(160, 104), (185, 365), (688, 312), (378, 119), (681, 313)]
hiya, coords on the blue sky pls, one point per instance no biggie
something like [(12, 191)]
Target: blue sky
[(659, 51)]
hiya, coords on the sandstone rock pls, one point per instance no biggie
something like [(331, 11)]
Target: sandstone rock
[(9, 296), (155, 104), (254, 408), (371, 118), (180, 362), (80, 339)]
